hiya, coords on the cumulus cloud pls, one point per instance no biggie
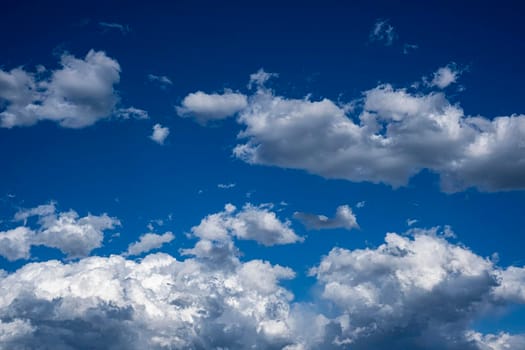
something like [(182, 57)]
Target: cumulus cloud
[(157, 303), (445, 76), (208, 107), (148, 242), (420, 292), (383, 32), (160, 133), (344, 218), (76, 95), (73, 235), (256, 223), (393, 136), (415, 291)]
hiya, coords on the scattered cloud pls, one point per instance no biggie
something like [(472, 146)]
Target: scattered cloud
[(411, 222), (256, 223), (259, 78), (226, 186), (445, 76), (389, 137), (131, 113), (77, 95), (159, 133), (161, 79), (360, 204), (123, 28), (344, 218), (208, 107), (383, 32), (149, 242), (73, 235)]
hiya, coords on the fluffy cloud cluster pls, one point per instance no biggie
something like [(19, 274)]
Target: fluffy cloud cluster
[(157, 303), (256, 223), (394, 137), (76, 95), (344, 218), (412, 292), (73, 235)]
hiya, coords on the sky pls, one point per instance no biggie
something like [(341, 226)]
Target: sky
[(279, 175)]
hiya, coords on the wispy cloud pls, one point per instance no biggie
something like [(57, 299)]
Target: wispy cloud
[(226, 186), (161, 79), (383, 32), (123, 28)]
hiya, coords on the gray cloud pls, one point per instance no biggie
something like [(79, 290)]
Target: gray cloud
[(148, 242), (208, 107), (344, 218), (394, 136), (76, 95)]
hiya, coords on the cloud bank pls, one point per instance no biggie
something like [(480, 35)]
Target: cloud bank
[(415, 291)]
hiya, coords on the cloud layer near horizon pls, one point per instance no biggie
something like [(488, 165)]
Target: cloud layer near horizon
[(414, 291)]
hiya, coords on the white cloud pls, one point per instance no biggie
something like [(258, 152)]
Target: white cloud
[(445, 76), (161, 79), (500, 341), (77, 95), (226, 186), (344, 218), (15, 244), (208, 107), (148, 242), (383, 31), (256, 223), (157, 303), (395, 135), (413, 292), (131, 113), (73, 235), (360, 204), (258, 79), (411, 222), (159, 133)]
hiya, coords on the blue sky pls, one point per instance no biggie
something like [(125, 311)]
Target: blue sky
[(280, 175)]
